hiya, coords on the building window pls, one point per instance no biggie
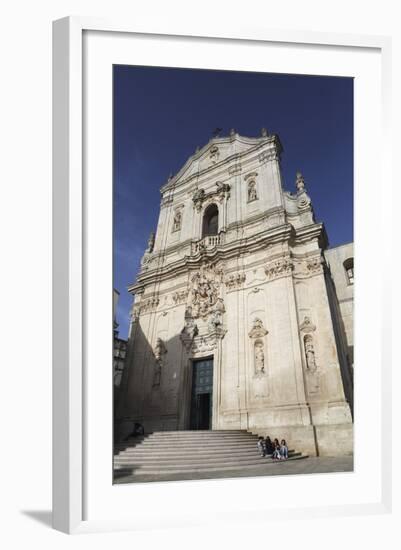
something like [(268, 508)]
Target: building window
[(349, 270), (210, 221)]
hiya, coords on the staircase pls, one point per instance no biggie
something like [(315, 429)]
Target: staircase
[(191, 452)]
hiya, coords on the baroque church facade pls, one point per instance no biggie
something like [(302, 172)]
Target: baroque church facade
[(242, 316)]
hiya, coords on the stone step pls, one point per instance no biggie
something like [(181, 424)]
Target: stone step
[(182, 446), (202, 468), (140, 461), (142, 453), (200, 432), (190, 440), (189, 436), (189, 452), (228, 439)]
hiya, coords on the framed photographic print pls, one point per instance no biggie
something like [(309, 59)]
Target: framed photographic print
[(210, 196)]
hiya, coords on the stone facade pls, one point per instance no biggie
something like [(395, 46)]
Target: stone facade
[(237, 273)]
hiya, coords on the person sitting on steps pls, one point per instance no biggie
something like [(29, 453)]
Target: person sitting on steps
[(284, 449), (261, 446), (276, 451), (269, 446)]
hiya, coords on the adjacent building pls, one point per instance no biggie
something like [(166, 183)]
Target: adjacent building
[(119, 349)]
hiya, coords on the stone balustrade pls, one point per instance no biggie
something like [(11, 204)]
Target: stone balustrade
[(208, 242)]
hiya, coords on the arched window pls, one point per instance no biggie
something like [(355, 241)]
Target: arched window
[(349, 270), (210, 221)]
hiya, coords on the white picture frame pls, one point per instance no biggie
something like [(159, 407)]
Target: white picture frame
[(71, 308)]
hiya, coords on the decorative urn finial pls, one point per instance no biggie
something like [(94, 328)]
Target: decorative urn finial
[(264, 132), (299, 182)]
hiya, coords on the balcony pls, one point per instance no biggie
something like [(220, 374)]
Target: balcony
[(207, 243)]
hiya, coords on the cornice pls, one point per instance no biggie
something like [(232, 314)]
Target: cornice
[(222, 252), (311, 231)]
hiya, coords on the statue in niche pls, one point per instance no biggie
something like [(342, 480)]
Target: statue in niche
[(159, 351), (252, 195), (259, 358), (177, 220), (310, 353)]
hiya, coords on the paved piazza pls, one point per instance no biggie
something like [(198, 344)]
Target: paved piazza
[(311, 465)]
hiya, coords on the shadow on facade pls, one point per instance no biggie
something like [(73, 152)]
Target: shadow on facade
[(151, 385), (345, 352)]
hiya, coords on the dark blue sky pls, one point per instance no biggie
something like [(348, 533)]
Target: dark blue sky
[(162, 115)]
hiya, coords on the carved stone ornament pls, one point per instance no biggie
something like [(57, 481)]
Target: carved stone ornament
[(180, 297), (166, 200), (148, 304), (268, 156), (204, 290), (314, 265), (233, 282), (235, 169), (299, 182), (307, 325), (258, 330), (279, 268), (206, 343), (303, 199), (198, 198), (223, 190), (146, 260), (214, 154)]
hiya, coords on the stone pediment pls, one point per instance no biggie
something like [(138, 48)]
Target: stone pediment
[(215, 153)]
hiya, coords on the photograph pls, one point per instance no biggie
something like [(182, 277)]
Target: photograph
[(233, 274)]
